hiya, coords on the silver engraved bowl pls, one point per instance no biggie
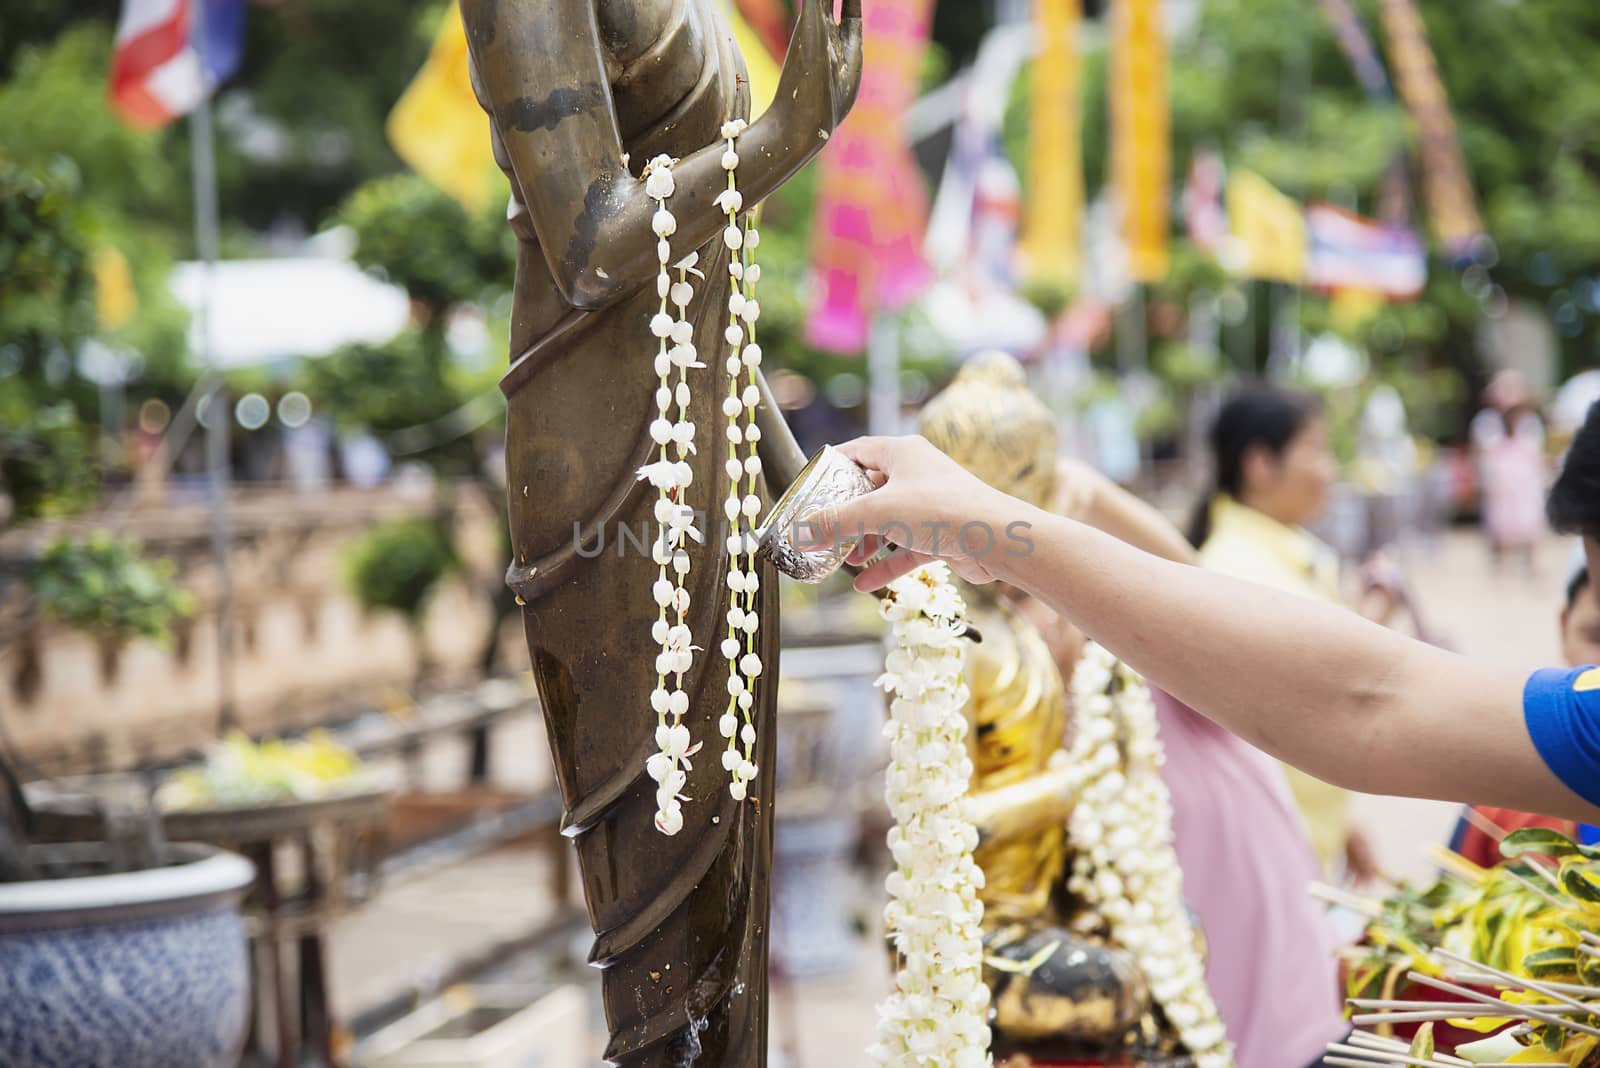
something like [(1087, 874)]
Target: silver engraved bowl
[(829, 477)]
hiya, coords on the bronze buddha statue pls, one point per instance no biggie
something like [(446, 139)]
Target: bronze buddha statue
[(1057, 990), (580, 95)]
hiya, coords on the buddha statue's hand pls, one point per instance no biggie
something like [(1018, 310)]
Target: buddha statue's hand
[(822, 71)]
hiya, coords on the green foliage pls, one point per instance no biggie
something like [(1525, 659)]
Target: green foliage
[(46, 311), (1184, 366), (101, 584), (421, 239), (321, 76), (74, 181), (47, 465), (402, 384), (47, 304), (1050, 295), (30, 21), (399, 563), (55, 106)]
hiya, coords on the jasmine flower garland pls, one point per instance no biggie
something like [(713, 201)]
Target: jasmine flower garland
[(1125, 867), (671, 475), (742, 510), (937, 1016)]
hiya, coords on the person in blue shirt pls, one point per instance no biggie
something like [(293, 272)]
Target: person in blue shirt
[(1344, 699), (1477, 835)]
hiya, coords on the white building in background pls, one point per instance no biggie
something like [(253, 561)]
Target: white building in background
[(267, 310)]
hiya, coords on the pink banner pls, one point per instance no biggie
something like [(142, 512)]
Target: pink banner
[(872, 207)]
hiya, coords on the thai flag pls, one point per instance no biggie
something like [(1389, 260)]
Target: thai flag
[(162, 67), (1350, 252)]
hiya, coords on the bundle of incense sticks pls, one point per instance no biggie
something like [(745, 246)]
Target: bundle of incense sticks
[(1363, 1049), (1366, 1050)]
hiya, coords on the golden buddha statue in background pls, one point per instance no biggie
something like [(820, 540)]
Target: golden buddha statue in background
[(1061, 992)]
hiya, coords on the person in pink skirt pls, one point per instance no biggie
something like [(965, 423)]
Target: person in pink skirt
[(1508, 440), (1242, 845)]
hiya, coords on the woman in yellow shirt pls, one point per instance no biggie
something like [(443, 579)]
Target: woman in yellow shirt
[(1274, 474)]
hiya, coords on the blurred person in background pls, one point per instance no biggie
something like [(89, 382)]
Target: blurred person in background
[(1274, 474), (1477, 836), (1241, 842), (1508, 443)]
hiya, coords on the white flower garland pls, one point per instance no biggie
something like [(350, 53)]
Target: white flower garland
[(672, 474), (743, 511), (1125, 867), (937, 1016)]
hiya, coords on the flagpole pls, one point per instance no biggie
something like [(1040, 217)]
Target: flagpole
[(883, 375), (204, 158), (1294, 91)]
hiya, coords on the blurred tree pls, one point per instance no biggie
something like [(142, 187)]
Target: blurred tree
[(1522, 88), (303, 120), (46, 312), (422, 240)]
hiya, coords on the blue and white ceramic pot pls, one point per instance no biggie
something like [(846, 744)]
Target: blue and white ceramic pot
[(146, 969)]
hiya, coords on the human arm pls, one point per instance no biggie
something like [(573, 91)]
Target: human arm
[(542, 68), (1313, 684)]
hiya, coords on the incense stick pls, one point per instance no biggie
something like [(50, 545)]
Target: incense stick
[(1533, 888), (1484, 824), (1392, 1057), (1455, 864), (1517, 981), (1549, 876), (1483, 999), (1565, 988), (1378, 1042), (1334, 896)]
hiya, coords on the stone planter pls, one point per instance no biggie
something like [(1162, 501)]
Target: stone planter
[(145, 969)]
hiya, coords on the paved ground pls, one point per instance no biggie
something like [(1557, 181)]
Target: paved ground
[(1508, 617), (819, 1023)]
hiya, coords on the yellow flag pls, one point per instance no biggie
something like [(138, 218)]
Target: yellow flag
[(437, 126), (1268, 228), (758, 61), (1351, 308), (1055, 164), (115, 299), (1141, 135)]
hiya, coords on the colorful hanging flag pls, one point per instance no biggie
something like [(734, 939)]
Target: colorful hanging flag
[(1141, 134), (115, 300), (438, 128), (1356, 44), (161, 68), (1269, 230), (1347, 251), (1204, 219), (758, 62), (1394, 190), (1452, 206), (872, 206), (1052, 232)]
